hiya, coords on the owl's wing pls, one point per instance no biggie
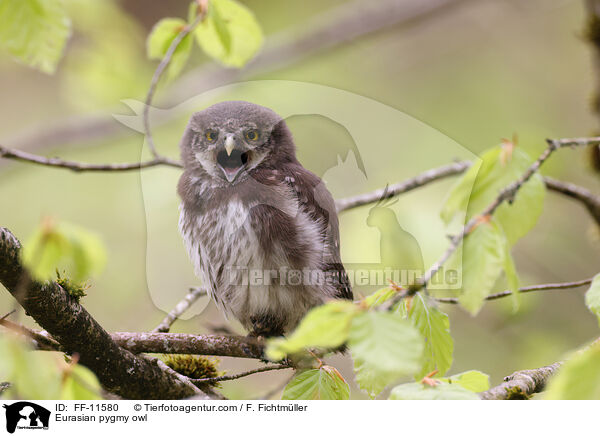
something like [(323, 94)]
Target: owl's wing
[(315, 200)]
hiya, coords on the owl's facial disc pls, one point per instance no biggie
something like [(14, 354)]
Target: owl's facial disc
[(232, 159)]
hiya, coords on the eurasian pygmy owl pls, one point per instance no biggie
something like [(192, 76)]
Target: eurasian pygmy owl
[(260, 229)]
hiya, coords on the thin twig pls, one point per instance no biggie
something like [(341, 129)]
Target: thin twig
[(583, 195), (80, 166), (334, 28), (4, 386), (402, 187), (191, 297), (185, 380), (506, 195), (43, 342), (573, 142), (164, 63), (328, 30), (8, 314), (533, 288), (240, 375)]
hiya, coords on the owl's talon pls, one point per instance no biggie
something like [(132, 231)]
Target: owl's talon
[(265, 326)]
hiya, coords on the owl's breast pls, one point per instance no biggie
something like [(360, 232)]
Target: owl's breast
[(239, 250), (219, 237)]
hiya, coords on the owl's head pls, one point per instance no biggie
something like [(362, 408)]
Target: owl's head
[(229, 140)]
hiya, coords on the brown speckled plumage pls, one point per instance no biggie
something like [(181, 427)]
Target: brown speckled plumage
[(249, 205)]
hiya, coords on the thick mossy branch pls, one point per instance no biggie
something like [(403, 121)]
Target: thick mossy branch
[(75, 290), (119, 370), (183, 343)]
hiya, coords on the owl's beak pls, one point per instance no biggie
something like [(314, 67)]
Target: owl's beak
[(231, 159), (229, 145)]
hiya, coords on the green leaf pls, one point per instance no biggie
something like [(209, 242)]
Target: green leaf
[(192, 11), (372, 381), (63, 246), (442, 391), (457, 199), (474, 381), (80, 384), (518, 218), (483, 259), (325, 383), (43, 375), (512, 279), (324, 326), (481, 184), (230, 33), (220, 27), (384, 347), (434, 326), (33, 375), (108, 60), (162, 35), (34, 31), (578, 378), (592, 297), (379, 297), (160, 39)]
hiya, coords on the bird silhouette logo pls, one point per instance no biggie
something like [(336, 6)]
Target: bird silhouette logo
[(352, 143), (399, 250)]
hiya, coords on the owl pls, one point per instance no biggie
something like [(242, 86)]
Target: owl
[(261, 230)]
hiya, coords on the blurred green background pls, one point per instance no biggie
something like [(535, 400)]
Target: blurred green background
[(473, 74)]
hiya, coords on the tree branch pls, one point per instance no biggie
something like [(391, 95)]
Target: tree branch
[(183, 379), (327, 31), (584, 196), (506, 195), (191, 297), (521, 385), (117, 369), (240, 375), (4, 386), (340, 26), (164, 343), (162, 66), (183, 343), (533, 288), (402, 187), (24, 156), (42, 342)]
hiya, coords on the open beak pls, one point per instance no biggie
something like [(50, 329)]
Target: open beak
[(231, 159), (229, 145)]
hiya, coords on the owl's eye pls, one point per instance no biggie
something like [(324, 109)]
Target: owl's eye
[(211, 135), (251, 135)]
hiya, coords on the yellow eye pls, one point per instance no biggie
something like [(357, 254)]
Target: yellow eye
[(251, 135), (210, 135)]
